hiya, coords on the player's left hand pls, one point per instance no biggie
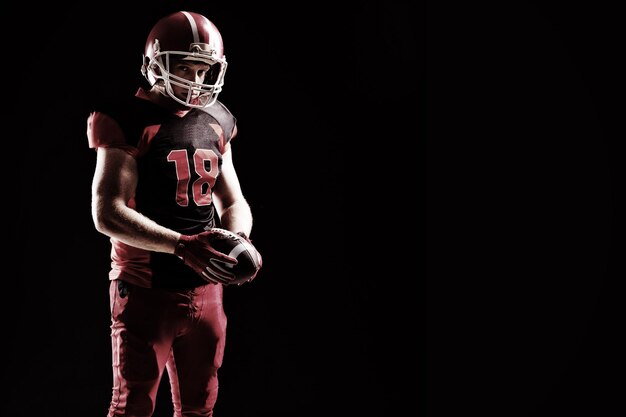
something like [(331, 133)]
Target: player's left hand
[(198, 253)]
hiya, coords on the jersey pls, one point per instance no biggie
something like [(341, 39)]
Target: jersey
[(179, 157)]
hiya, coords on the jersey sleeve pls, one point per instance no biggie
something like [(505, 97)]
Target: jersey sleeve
[(104, 132), (226, 120)]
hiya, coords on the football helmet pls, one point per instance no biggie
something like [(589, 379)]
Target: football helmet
[(185, 36)]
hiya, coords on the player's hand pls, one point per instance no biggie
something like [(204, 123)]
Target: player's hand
[(196, 251)]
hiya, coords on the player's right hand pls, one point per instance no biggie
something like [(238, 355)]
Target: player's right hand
[(196, 251)]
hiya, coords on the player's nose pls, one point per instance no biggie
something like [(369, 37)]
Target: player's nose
[(199, 77)]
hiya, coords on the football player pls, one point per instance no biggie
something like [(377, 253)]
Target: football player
[(164, 180)]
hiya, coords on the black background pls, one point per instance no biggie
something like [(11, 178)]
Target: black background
[(438, 196), (525, 216)]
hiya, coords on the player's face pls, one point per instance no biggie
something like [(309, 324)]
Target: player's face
[(191, 71)]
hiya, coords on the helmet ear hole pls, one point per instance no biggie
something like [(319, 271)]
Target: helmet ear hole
[(155, 69)]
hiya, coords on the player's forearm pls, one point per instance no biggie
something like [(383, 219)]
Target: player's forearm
[(237, 217), (132, 228)]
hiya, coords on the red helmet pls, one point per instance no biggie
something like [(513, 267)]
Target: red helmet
[(185, 36)]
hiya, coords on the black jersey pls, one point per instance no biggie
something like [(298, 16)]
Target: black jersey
[(179, 159)]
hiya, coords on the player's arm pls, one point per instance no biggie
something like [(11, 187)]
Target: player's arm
[(114, 183), (232, 207)]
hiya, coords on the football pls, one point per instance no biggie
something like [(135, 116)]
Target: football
[(249, 260)]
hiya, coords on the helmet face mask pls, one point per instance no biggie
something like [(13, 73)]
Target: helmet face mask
[(185, 36), (199, 95)]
